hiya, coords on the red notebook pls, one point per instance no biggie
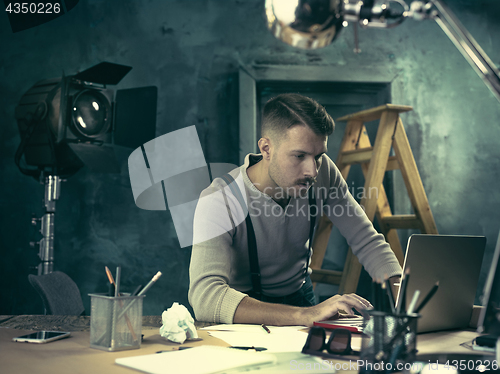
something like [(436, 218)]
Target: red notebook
[(353, 324)]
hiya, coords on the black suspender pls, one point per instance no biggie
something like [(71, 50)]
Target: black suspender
[(252, 241), (312, 218)]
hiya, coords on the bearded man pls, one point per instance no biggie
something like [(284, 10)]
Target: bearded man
[(254, 265)]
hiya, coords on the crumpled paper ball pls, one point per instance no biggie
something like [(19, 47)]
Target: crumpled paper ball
[(178, 325)]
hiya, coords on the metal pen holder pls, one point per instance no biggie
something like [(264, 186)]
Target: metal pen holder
[(115, 322), (389, 341)]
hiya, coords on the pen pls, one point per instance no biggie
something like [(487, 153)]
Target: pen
[(384, 297), (117, 283), (151, 282), (112, 281), (258, 349), (413, 302), (136, 291), (111, 289), (143, 291), (174, 349), (428, 297), (265, 328), (402, 292), (375, 295), (390, 295)]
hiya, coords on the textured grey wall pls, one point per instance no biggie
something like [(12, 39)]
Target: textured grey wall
[(191, 51)]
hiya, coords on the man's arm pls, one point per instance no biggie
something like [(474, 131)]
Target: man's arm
[(369, 246), (253, 311), (212, 258)]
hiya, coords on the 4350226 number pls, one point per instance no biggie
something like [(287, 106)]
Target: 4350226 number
[(33, 8), (476, 365)]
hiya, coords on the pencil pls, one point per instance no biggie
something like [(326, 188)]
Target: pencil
[(384, 297), (136, 291), (151, 282), (266, 328), (142, 292), (402, 292), (390, 295), (110, 276), (413, 302), (428, 297), (375, 295), (118, 279)]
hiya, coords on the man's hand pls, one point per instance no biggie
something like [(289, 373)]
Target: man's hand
[(330, 308), (253, 311)]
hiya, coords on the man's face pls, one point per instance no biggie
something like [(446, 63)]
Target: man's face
[(295, 163)]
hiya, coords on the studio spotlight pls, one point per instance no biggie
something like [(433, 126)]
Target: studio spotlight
[(90, 114), (73, 121)]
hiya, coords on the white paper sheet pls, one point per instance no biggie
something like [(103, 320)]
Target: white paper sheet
[(199, 360), (252, 328), (281, 339)]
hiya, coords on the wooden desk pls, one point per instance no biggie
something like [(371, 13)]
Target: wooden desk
[(68, 323), (73, 355)]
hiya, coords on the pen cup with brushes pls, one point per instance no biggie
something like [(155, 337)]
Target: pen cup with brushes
[(389, 341), (115, 322)]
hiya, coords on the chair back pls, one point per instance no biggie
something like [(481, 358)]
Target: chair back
[(59, 293)]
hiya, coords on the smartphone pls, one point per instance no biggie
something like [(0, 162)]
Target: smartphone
[(42, 337)]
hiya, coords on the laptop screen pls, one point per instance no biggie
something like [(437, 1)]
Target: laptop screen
[(455, 262)]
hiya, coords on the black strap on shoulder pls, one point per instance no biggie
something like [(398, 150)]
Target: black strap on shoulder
[(312, 217), (252, 241)]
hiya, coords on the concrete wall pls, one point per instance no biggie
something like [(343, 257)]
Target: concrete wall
[(191, 51)]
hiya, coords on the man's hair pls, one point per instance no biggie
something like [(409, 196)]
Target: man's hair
[(288, 110)]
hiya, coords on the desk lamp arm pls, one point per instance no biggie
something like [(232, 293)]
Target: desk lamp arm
[(461, 38), (373, 14)]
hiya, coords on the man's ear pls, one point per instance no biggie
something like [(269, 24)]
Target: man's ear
[(265, 148)]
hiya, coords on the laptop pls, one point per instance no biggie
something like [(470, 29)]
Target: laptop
[(453, 260)]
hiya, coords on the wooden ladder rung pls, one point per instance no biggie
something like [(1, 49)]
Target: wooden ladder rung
[(363, 155), (375, 113), (392, 164), (404, 221), (357, 156), (326, 276)]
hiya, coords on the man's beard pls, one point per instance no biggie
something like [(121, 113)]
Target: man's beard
[(299, 188), (305, 184)]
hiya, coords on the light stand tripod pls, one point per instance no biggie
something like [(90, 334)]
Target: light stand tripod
[(46, 244)]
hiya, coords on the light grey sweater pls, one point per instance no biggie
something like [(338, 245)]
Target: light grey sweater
[(219, 270)]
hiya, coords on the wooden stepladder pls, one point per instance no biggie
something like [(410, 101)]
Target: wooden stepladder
[(375, 161)]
